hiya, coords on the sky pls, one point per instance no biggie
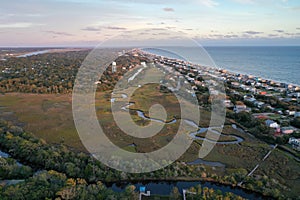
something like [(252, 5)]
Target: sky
[(90, 22)]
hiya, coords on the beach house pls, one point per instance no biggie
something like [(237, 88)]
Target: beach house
[(228, 103), (287, 130), (271, 123), (249, 97), (295, 143), (235, 84), (290, 112), (258, 104), (240, 107), (114, 67)]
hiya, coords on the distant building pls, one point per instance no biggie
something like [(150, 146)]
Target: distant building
[(235, 84), (295, 143), (278, 111), (240, 107), (260, 116), (263, 93), (114, 67), (290, 112), (258, 104), (228, 103), (249, 97), (271, 124), (143, 64), (287, 130)]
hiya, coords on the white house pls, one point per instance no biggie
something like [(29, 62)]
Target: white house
[(240, 107), (290, 112), (295, 143), (114, 67), (235, 84), (271, 124), (143, 64), (249, 97), (258, 104), (228, 103)]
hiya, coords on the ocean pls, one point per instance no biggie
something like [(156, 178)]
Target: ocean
[(276, 63)]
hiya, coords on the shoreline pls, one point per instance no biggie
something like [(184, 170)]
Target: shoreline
[(217, 68), (263, 78)]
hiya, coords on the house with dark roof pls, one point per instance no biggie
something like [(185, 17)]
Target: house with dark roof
[(271, 123)]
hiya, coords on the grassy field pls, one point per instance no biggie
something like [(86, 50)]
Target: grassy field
[(47, 116)]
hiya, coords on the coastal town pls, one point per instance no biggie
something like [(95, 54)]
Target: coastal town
[(275, 104)]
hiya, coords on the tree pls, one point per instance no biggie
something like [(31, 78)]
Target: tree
[(175, 194), (296, 122)]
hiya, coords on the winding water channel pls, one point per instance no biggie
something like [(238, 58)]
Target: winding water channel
[(165, 188), (194, 134), (33, 53)]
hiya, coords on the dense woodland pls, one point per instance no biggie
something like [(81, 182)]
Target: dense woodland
[(54, 73)]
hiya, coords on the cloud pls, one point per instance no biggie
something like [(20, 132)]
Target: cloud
[(169, 9), (244, 1), (158, 29), (289, 34), (170, 27), (114, 28), (226, 36), (273, 35), (140, 1), (17, 25), (279, 31), (89, 28), (99, 28), (161, 33), (252, 32), (208, 3), (216, 35), (59, 33), (295, 8), (231, 36)]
